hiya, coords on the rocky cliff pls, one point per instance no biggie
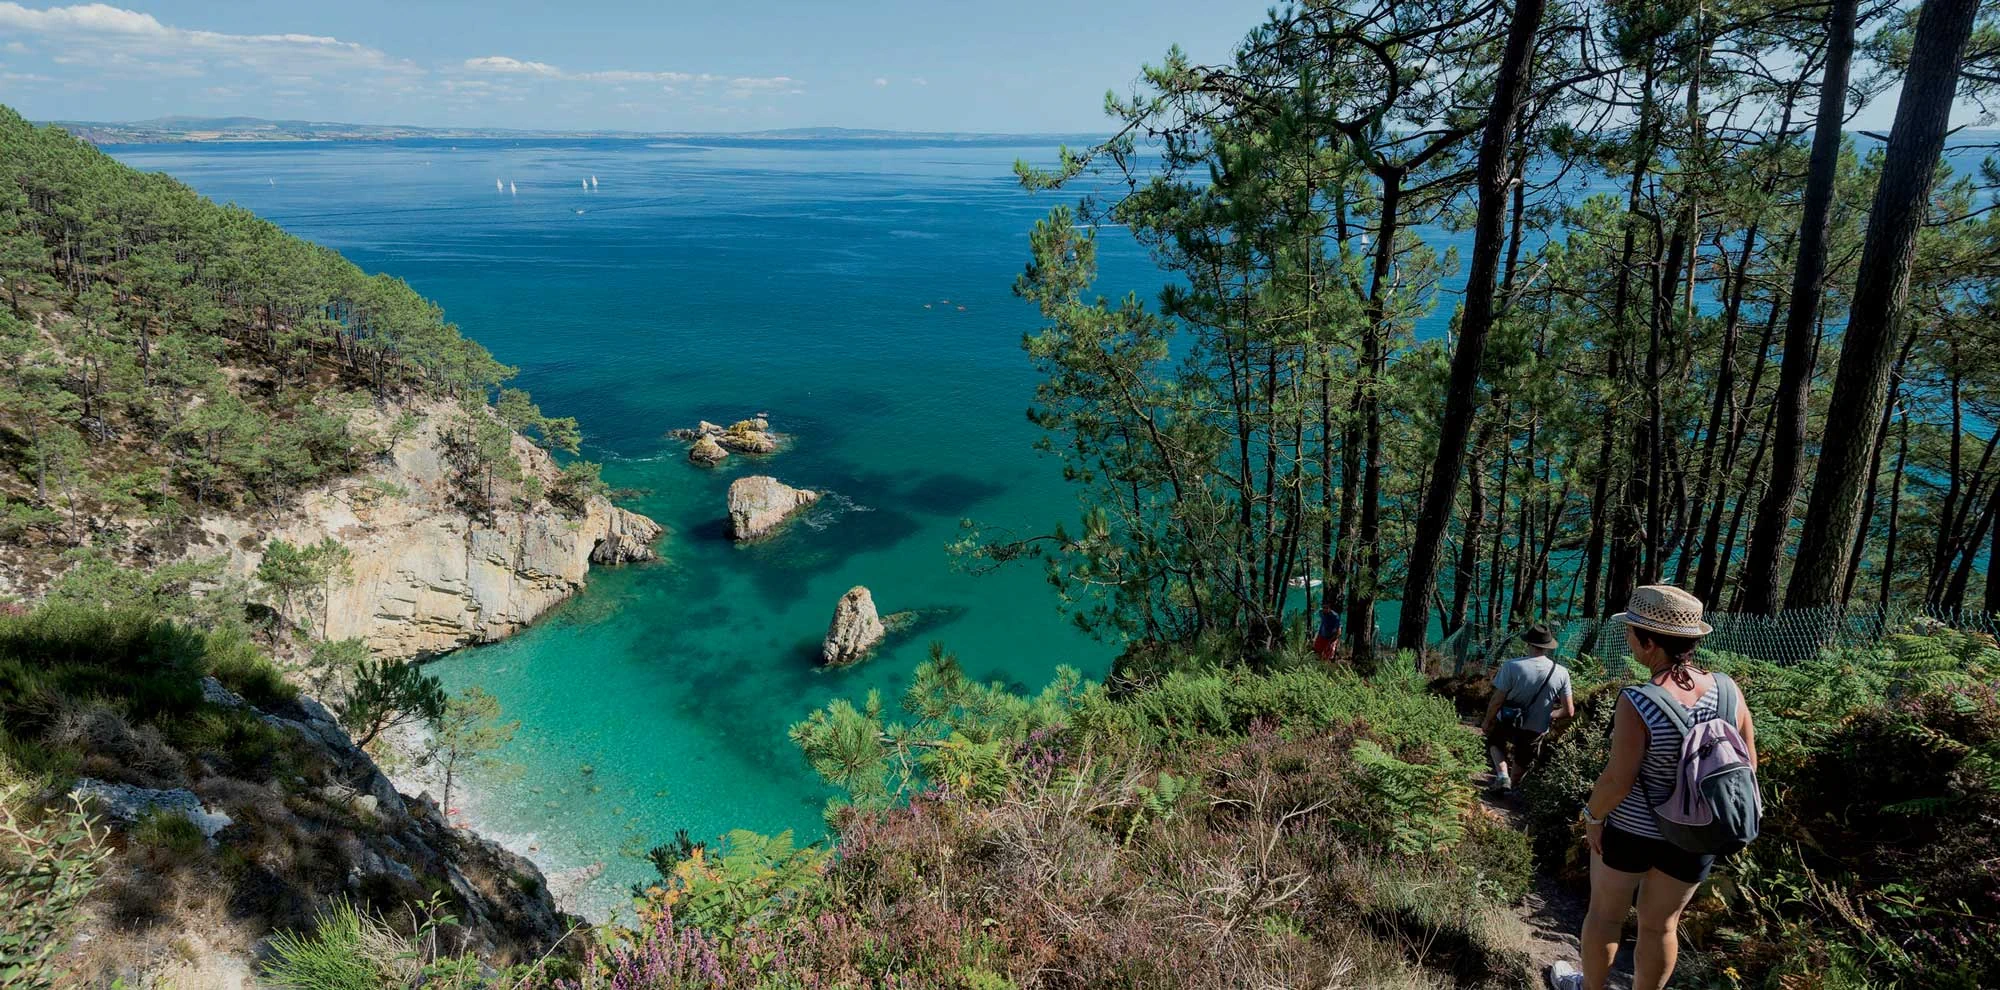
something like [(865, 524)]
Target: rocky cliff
[(427, 575), (295, 817)]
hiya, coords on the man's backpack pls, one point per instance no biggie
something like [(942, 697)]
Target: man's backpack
[(1715, 808)]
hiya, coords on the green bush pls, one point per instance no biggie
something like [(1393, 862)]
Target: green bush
[(240, 665), (169, 834), (48, 866), (347, 950)]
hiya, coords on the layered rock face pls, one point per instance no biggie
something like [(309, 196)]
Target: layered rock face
[(855, 630), (426, 577), (758, 504)]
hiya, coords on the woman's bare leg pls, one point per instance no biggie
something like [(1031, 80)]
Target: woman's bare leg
[(1610, 900), (1661, 899)]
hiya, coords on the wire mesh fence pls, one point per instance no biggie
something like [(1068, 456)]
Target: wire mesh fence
[(1789, 637)]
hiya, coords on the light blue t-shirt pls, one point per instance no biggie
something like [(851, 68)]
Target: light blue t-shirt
[(1518, 678)]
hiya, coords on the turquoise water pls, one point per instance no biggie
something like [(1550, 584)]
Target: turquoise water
[(819, 282)]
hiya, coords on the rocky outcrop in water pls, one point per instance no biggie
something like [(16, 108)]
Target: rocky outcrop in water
[(707, 452), (758, 504), (745, 436), (426, 575), (855, 630)]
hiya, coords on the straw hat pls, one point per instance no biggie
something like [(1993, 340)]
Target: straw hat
[(1665, 609)]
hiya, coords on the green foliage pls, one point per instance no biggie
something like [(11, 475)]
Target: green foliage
[(169, 834), (347, 950), (579, 482), (48, 866), (467, 734), (331, 659), (962, 739), (303, 577), (95, 579), (239, 664), (1424, 803), (752, 878), (389, 693)]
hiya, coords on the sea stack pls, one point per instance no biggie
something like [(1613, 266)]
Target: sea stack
[(757, 504), (707, 452), (855, 629)]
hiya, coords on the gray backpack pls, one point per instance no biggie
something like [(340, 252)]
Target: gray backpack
[(1715, 807)]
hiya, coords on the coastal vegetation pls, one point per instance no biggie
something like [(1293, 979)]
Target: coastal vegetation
[(1669, 245), (1673, 238), (163, 358)]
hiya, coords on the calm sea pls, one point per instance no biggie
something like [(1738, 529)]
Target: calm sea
[(858, 292)]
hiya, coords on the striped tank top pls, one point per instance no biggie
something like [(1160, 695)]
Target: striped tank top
[(1662, 761)]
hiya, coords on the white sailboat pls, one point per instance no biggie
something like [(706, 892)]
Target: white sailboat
[(593, 182), (512, 191), (499, 186)]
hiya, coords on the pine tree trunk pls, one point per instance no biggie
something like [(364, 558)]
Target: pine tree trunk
[(1769, 534), (1494, 176), (1895, 514), (1902, 197)]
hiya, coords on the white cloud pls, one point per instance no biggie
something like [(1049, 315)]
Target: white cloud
[(879, 81), (128, 39), (919, 81), (734, 86), (511, 66), (17, 48)]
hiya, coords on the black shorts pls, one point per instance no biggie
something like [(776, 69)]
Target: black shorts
[(1523, 749), (1628, 853)]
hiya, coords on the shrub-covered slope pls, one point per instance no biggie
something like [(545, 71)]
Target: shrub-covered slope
[(145, 716)]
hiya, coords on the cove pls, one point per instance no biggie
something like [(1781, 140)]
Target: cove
[(859, 292)]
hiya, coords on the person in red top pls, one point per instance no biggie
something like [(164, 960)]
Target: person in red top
[(1326, 642)]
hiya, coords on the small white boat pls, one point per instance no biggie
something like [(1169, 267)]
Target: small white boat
[(512, 191), (586, 184), (593, 182), (499, 186), (1304, 582)]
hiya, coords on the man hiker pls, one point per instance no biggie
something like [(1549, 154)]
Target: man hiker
[(1529, 693)]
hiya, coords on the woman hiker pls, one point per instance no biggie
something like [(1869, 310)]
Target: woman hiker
[(1628, 853), (1529, 694)]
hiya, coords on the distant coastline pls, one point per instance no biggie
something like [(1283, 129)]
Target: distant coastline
[(219, 130)]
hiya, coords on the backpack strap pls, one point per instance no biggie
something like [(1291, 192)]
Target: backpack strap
[(1545, 685), (1668, 705), (1727, 697)]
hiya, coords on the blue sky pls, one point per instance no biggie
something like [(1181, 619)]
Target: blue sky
[(947, 65), (1025, 65)]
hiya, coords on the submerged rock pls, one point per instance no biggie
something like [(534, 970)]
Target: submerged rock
[(758, 503), (855, 630), (707, 452)]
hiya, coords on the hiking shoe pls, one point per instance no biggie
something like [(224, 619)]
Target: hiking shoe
[(1563, 976), (1502, 783)]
